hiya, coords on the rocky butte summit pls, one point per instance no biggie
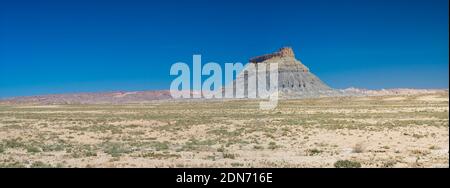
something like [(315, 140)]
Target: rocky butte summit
[(295, 80)]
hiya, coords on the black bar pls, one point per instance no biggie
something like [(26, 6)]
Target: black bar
[(168, 176)]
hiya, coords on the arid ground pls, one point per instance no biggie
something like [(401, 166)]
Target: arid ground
[(380, 131)]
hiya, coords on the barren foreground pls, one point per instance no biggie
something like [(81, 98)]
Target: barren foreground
[(382, 131)]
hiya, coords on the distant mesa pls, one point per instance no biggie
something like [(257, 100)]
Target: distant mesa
[(295, 80)]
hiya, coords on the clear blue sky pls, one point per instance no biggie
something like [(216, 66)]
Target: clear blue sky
[(78, 45)]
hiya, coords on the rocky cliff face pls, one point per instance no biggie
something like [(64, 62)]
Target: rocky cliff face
[(285, 52), (294, 78)]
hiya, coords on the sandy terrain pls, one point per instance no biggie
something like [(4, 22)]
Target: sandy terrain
[(379, 131)]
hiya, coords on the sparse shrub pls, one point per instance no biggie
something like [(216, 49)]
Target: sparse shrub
[(78, 151), (90, 153), (221, 149), (53, 147), (347, 164), (159, 155), (12, 165), (211, 157), (389, 164), (115, 149), (257, 147), (273, 145), (194, 144), (431, 147), (386, 147), (39, 164), (229, 156), (32, 149), (313, 151), (420, 152), (13, 143), (236, 164), (418, 136), (269, 135), (161, 145)]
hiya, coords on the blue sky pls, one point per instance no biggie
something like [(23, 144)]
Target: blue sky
[(82, 46)]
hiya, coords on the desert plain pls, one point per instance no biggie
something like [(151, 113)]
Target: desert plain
[(370, 131)]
